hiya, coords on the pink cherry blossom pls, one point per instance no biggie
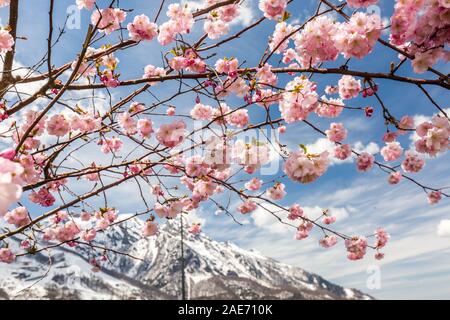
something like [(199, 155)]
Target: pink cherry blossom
[(227, 66), (92, 176), (315, 43), (357, 37), (434, 136), (43, 197), (142, 29), (85, 4), (8, 154), (170, 111), (413, 162), (109, 79), (299, 100), (329, 108), (151, 71), (276, 192), (157, 190), (108, 19), (85, 123), (195, 166), (328, 241), (281, 129), (406, 123), (349, 87), (150, 228), (327, 219), (280, 41), (434, 197), (265, 75), (303, 230), (266, 97), (238, 118), (195, 228), (254, 184), (6, 41), (364, 162), (171, 134), (379, 255), (306, 168), (169, 210), (337, 132), (247, 207), (361, 3), (58, 125), (343, 151), (181, 21), (136, 107), (25, 244), (382, 237), (113, 144), (390, 136), (102, 224), (145, 127), (392, 151), (67, 232), (202, 112), (85, 216), (273, 9), (127, 123), (89, 235), (418, 28), (251, 155), (395, 177), (18, 217), (215, 27), (295, 212), (356, 248), (6, 256), (331, 89)]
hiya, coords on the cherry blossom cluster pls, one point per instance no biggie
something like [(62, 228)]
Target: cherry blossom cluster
[(304, 167), (180, 22), (108, 20), (273, 9), (421, 28), (434, 136), (361, 3), (189, 61), (316, 42), (6, 41), (357, 37), (299, 100), (40, 136), (217, 22)]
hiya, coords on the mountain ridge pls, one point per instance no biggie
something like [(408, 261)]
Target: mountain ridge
[(214, 270)]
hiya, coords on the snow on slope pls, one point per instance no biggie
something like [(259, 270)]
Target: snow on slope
[(213, 271)]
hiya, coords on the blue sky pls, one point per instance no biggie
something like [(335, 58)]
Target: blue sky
[(416, 257)]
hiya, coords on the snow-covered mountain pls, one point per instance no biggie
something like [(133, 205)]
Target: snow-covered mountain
[(213, 271)]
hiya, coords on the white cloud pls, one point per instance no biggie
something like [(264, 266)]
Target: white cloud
[(443, 229), (262, 218), (371, 148), (323, 144), (195, 217), (245, 15), (418, 119)]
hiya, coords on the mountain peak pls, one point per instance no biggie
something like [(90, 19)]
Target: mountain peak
[(213, 270)]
